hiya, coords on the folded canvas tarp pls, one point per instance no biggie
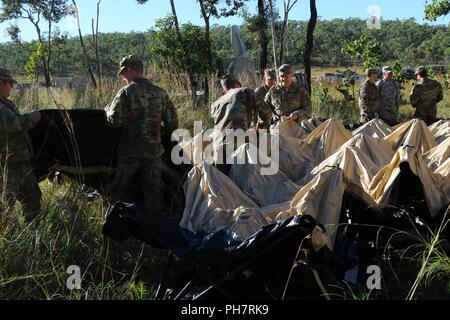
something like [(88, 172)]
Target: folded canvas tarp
[(316, 170), (440, 130), (412, 133), (327, 138), (438, 155), (214, 202), (368, 164), (376, 128), (382, 186), (442, 174), (360, 159)]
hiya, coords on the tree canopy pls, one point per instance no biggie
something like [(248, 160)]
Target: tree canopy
[(405, 40)]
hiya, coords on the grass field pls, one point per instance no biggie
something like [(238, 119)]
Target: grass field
[(34, 258)]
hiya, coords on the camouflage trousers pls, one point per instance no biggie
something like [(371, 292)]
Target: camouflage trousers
[(428, 117), (19, 183), (138, 181), (390, 114)]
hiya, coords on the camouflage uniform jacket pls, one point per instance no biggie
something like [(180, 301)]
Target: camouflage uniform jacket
[(15, 143), (236, 110), (261, 92), (389, 95), (425, 95), (294, 99), (140, 109), (369, 103)]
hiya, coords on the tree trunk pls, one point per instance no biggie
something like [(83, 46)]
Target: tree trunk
[(193, 84), (206, 18), (175, 17), (49, 55), (283, 30), (272, 17), (83, 47), (48, 82), (310, 43), (97, 56), (263, 39)]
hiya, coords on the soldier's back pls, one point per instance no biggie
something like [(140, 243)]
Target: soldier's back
[(261, 92), (15, 145), (143, 130), (430, 90), (232, 110)]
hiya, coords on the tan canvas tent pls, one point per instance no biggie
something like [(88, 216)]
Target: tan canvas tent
[(440, 130), (412, 133), (315, 171)]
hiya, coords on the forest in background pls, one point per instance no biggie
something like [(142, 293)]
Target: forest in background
[(406, 41)]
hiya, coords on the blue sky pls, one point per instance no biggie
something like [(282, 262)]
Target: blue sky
[(127, 15)]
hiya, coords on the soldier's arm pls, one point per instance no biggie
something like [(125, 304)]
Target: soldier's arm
[(259, 100), (440, 96), (379, 87), (11, 123), (398, 98), (169, 115), (306, 109), (260, 109), (117, 112), (364, 98), (268, 100), (414, 97)]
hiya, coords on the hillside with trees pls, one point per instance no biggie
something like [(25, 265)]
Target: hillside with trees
[(407, 41)]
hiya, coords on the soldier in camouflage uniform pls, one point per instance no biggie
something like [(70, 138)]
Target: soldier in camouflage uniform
[(18, 179), (233, 111), (270, 79), (369, 102), (289, 98), (389, 95), (425, 95), (140, 109), (237, 107)]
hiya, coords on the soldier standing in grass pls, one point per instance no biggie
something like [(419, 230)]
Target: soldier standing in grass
[(369, 102), (425, 95), (18, 181), (389, 95), (141, 110), (289, 98)]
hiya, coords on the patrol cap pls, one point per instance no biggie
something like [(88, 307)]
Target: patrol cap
[(270, 74), (5, 75), (229, 81), (421, 70), (387, 69), (284, 70), (130, 62), (370, 71)]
